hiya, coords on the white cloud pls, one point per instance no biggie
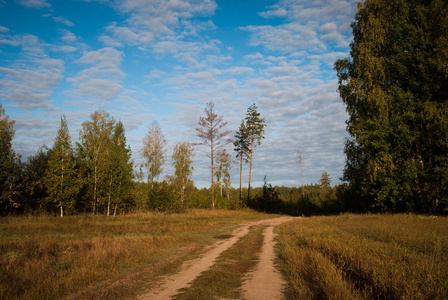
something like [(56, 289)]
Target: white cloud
[(4, 29), (34, 3), (29, 82), (60, 19), (102, 80)]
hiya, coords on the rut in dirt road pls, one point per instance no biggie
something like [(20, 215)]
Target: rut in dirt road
[(264, 271), (265, 282)]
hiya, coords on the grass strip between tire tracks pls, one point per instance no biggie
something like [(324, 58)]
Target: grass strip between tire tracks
[(224, 279)]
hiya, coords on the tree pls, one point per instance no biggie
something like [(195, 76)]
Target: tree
[(255, 133), (300, 161), (61, 178), (94, 150), (153, 151), (183, 167), (222, 173), (394, 86), (120, 169), (35, 196), (10, 165), (325, 180), (241, 144), (210, 130)]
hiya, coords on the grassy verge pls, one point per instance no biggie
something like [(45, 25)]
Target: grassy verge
[(102, 257), (365, 257), (223, 280)]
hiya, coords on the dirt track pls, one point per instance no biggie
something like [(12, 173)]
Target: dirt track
[(264, 283)]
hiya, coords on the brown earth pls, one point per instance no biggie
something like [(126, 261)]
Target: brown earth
[(264, 282)]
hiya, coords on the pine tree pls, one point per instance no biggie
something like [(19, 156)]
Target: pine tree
[(210, 132), (255, 133), (241, 144), (61, 178)]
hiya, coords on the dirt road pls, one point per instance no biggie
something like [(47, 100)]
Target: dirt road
[(264, 283)]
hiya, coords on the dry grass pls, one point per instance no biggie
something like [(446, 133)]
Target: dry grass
[(102, 257), (365, 257)]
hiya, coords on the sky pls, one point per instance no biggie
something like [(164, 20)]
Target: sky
[(163, 60)]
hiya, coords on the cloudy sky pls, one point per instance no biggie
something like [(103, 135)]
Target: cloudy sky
[(163, 60)]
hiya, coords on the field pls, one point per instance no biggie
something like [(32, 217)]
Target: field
[(337, 257), (102, 257), (365, 257)]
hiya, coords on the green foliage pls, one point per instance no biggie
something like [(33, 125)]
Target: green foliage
[(163, 198), (10, 167), (395, 86), (183, 169), (61, 177)]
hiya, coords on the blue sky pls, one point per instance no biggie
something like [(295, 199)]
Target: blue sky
[(163, 60)]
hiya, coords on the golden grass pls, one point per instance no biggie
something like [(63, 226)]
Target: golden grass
[(365, 257), (102, 257)]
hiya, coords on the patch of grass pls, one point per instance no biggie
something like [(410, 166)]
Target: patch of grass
[(224, 278), (365, 256), (43, 257)]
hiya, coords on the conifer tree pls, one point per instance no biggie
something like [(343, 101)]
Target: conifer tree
[(210, 131), (241, 144), (255, 133), (61, 178)]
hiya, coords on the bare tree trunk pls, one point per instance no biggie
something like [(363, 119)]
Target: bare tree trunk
[(110, 192), (241, 178), (62, 212), (94, 190), (213, 174), (250, 169)]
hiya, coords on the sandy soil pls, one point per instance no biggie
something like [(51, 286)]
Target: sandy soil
[(264, 283)]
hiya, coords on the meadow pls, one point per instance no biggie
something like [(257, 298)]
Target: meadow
[(86, 256), (365, 257)]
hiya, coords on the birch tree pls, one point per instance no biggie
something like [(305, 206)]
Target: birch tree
[(224, 164), (9, 164), (154, 153), (211, 131), (183, 167), (94, 151)]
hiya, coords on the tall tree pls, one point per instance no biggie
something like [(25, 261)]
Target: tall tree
[(395, 87), (61, 179), (211, 131), (10, 165), (153, 151), (183, 167), (94, 150), (255, 133), (241, 144), (120, 169)]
